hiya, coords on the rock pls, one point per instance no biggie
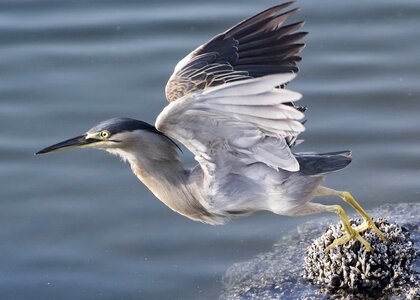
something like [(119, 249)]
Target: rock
[(349, 269), (279, 274)]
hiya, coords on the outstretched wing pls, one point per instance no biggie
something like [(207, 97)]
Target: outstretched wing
[(237, 124), (229, 110), (255, 47)]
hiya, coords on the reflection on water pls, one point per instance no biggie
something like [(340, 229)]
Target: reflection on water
[(78, 225)]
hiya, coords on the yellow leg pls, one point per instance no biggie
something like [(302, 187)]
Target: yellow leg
[(347, 197), (368, 223), (350, 232)]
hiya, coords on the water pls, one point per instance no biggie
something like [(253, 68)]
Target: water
[(78, 225)]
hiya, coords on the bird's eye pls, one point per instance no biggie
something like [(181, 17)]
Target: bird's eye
[(105, 134)]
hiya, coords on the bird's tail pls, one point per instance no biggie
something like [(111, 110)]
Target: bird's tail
[(322, 163)]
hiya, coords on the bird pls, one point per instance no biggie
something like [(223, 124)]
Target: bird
[(229, 106)]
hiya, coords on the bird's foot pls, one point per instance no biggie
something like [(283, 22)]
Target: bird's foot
[(350, 233), (353, 232), (369, 224)]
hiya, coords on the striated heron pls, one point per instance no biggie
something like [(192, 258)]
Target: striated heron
[(229, 107)]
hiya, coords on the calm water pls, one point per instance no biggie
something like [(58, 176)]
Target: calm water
[(78, 225)]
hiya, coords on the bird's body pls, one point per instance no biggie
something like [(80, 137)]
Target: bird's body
[(217, 195), (230, 108)]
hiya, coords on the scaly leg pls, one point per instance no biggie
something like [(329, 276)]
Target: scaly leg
[(347, 197)]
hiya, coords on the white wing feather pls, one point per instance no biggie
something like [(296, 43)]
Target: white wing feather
[(236, 124), (250, 87)]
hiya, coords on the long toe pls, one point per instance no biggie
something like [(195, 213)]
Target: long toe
[(340, 241), (369, 224), (362, 240), (350, 234)]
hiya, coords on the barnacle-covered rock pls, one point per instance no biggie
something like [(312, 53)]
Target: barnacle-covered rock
[(350, 268), (279, 274)]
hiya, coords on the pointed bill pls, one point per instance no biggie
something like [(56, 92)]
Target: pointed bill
[(75, 142)]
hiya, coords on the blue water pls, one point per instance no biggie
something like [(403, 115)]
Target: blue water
[(78, 225)]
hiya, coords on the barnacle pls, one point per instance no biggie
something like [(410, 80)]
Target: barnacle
[(351, 268)]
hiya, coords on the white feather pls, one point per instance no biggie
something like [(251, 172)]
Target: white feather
[(250, 86), (269, 97), (279, 111), (237, 124)]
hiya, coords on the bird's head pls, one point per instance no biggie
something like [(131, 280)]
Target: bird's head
[(116, 136)]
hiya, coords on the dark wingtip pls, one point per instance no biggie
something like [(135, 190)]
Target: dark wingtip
[(278, 7), (303, 34)]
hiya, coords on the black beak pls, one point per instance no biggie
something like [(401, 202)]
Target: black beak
[(78, 141)]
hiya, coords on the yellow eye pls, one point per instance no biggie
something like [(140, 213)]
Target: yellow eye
[(104, 134)]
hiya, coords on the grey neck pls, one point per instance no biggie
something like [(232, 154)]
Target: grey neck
[(157, 164)]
